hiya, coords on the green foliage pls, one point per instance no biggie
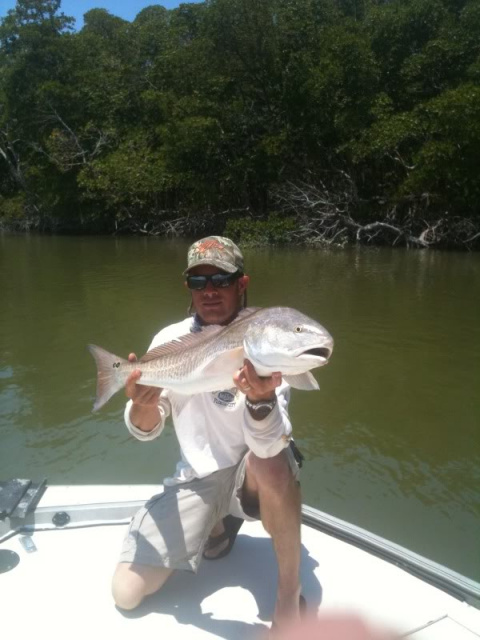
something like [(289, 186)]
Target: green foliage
[(448, 161), (248, 231), (210, 106), (11, 209), (130, 178)]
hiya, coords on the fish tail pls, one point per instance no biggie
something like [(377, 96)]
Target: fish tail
[(108, 379)]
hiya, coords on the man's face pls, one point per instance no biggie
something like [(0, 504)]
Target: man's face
[(217, 305)]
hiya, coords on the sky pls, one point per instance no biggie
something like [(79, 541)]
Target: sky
[(126, 9)]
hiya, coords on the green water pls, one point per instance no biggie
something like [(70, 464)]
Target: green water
[(392, 440)]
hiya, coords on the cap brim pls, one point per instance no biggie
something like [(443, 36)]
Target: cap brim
[(224, 266)]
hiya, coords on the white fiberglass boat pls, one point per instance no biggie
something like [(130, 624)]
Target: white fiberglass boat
[(57, 558)]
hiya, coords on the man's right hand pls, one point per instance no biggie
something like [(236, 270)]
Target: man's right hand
[(144, 412), (140, 393)]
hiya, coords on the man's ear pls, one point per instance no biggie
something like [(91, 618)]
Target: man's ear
[(243, 283)]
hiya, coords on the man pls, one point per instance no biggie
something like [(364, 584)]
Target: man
[(235, 454)]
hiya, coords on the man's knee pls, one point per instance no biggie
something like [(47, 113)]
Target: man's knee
[(274, 472), (128, 589), (131, 583)]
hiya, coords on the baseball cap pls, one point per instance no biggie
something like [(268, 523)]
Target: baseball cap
[(217, 251)]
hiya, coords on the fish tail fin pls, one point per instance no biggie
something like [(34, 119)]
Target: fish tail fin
[(108, 380)]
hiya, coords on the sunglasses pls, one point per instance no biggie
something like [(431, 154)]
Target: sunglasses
[(218, 280)]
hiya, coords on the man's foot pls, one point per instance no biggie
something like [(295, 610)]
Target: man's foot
[(222, 537), (286, 611)]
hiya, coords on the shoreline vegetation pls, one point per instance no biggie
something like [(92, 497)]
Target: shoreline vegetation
[(319, 122)]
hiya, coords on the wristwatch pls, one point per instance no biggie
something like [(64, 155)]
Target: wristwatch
[(262, 407)]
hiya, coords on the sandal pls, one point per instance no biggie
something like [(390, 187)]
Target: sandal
[(232, 525)]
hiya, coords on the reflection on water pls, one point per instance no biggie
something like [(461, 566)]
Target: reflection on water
[(391, 440)]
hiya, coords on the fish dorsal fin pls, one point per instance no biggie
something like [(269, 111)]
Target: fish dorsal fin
[(247, 311), (190, 340), (243, 316), (183, 343)]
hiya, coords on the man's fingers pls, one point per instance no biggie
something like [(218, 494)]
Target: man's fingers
[(146, 395), (333, 627), (130, 385), (277, 379), (134, 376), (253, 380), (250, 374), (238, 376), (132, 357), (141, 393)]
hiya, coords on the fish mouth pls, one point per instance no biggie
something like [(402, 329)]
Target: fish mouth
[(321, 352)]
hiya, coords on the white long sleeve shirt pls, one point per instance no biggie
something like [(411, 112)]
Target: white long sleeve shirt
[(215, 430)]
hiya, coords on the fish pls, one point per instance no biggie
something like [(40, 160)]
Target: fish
[(274, 339)]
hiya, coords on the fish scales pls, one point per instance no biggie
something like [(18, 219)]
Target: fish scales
[(275, 339), (177, 367)]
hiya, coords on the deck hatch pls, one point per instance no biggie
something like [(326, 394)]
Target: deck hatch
[(8, 560)]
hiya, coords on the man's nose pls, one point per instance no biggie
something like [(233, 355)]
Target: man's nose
[(209, 289)]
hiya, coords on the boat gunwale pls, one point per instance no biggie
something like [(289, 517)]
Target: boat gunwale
[(448, 580)]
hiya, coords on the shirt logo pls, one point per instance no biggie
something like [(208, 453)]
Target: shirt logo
[(226, 398)]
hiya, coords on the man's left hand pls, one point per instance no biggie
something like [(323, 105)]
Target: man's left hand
[(255, 387)]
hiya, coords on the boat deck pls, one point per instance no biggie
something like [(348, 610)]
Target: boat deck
[(62, 587)]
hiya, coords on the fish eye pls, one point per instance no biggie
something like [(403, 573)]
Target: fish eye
[(298, 329)]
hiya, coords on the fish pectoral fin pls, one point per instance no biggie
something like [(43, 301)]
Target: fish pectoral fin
[(304, 381), (225, 363)]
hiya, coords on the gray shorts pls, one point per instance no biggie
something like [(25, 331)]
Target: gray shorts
[(172, 528)]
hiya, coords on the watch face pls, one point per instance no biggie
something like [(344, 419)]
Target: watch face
[(260, 404), (260, 410)]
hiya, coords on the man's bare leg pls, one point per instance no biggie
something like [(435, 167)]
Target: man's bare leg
[(271, 482), (133, 582)]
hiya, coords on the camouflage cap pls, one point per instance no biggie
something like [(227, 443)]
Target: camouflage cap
[(217, 251)]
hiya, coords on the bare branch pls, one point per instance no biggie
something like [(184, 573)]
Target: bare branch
[(325, 215)]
